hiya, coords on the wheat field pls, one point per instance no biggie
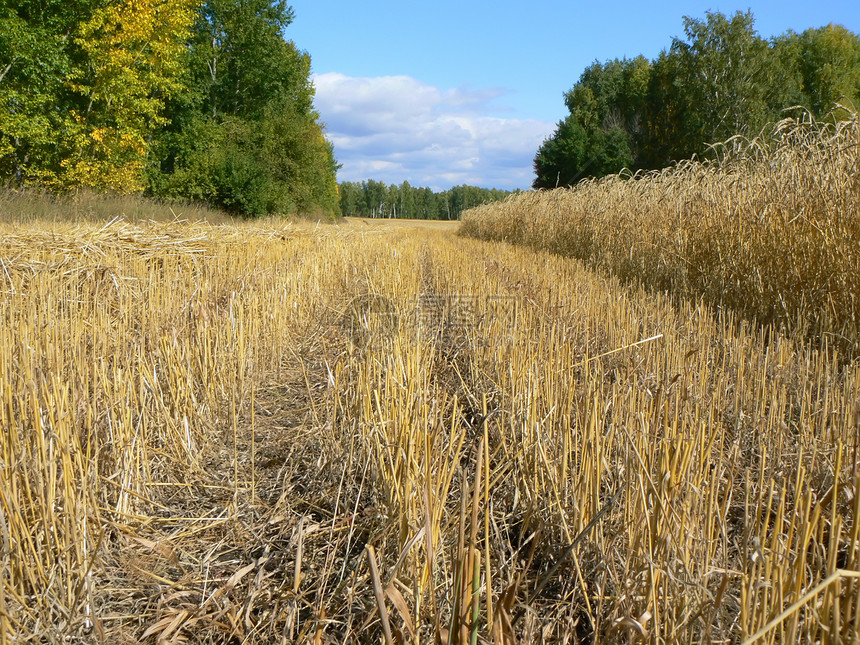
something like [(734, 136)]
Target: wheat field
[(770, 230), (272, 432)]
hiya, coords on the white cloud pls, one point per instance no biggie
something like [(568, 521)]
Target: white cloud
[(395, 128)]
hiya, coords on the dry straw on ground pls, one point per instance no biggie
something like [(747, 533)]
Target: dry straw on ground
[(257, 433), (40, 207)]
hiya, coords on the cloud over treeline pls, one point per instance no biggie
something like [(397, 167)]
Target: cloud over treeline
[(396, 128)]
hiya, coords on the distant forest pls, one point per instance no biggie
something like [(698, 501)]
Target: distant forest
[(722, 80), (376, 199)]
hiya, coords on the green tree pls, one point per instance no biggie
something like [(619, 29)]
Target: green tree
[(426, 203), (603, 132), (663, 113), (407, 201), (82, 88), (35, 59), (825, 63), (375, 194), (574, 152), (728, 81), (377, 199), (350, 199), (246, 136), (240, 63), (721, 79)]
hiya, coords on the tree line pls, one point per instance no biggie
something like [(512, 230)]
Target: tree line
[(377, 199), (192, 99), (721, 80)]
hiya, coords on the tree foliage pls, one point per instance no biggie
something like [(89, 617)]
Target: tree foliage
[(200, 99), (720, 80), (246, 136), (724, 80), (602, 131), (133, 51), (240, 62), (36, 56), (83, 88), (824, 64)]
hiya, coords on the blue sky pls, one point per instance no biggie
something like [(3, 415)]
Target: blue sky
[(450, 92)]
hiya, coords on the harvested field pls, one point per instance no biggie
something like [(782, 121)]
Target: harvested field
[(263, 433)]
